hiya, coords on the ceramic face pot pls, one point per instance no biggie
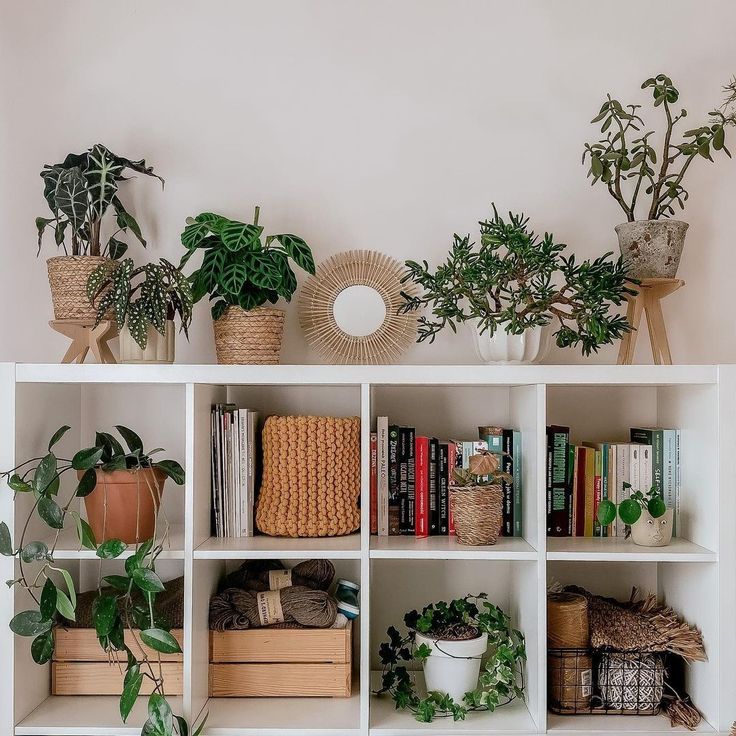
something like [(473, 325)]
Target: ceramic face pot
[(453, 666), (652, 248), (651, 532), (503, 348)]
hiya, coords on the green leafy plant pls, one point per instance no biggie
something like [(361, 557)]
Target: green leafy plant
[(515, 281), (143, 296), (482, 470), (631, 508), (124, 608), (80, 191), (626, 161), (239, 268), (501, 678)]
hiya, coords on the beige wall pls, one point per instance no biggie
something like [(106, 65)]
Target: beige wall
[(383, 124)]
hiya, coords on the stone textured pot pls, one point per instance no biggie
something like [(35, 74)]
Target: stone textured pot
[(504, 349), (652, 248), (159, 348), (68, 280), (651, 532), (124, 504), (453, 666)]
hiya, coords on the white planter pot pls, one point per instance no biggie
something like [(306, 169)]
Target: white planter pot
[(651, 532), (453, 666), (159, 348), (503, 348)]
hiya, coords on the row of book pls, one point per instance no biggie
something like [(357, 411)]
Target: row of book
[(411, 477), (580, 476), (234, 454)]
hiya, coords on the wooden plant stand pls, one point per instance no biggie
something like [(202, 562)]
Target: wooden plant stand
[(647, 300), (85, 337)]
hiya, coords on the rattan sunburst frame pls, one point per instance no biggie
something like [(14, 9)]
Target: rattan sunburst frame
[(357, 268)]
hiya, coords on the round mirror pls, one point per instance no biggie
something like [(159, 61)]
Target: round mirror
[(359, 310)]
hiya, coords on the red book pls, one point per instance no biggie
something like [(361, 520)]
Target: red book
[(374, 483), (579, 493), (421, 485), (451, 464)]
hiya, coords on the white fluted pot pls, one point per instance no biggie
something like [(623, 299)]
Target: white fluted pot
[(159, 348), (503, 348)]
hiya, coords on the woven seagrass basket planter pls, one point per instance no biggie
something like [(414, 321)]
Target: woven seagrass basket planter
[(68, 280), (249, 337), (478, 514)]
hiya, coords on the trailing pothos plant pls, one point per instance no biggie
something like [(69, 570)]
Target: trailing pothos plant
[(124, 609), (631, 508), (516, 280), (626, 161), (501, 677), (79, 191), (145, 296), (239, 268)]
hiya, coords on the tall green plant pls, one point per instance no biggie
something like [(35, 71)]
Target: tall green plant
[(124, 609), (626, 160), (80, 191), (239, 268)]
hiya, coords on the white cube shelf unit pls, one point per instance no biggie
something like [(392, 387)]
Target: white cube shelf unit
[(170, 406)]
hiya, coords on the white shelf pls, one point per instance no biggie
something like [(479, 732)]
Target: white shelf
[(265, 547), (614, 725), (174, 549), (448, 548), (616, 549), (86, 715)]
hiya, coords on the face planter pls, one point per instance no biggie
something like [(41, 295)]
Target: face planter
[(651, 532)]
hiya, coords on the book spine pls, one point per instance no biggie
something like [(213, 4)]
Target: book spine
[(245, 530), (557, 478), (613, 528), (597, 491), (655, 438), (422, 486), (678, 481), (252, 467), (214, 517), (404, 481), (634, 468), (580, 492), (393, 481), (589, 490), (411, 479), (507, 466), (374, 483), (444, 479), (434, 489), (645, 468), (382, 432), (451, 465), (518, 490), (623, 473)]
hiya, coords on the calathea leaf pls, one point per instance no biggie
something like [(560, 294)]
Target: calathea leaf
[(264, 271), (211, 271), (194, 234), (218, 309), (298, 251), (71, 197), (240, 236), (287, 285), (252, 297), (234, 276)]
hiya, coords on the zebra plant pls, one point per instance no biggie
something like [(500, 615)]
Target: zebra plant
[(141, 296), (80, 191)]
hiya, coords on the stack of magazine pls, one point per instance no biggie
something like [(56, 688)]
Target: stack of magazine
[(233, 470)]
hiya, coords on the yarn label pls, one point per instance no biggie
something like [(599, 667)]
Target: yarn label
[(278, 579), (586, 683), (269, 607)]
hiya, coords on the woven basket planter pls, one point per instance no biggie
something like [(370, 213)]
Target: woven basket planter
[(252, 337), (68, 280), (478, 514)]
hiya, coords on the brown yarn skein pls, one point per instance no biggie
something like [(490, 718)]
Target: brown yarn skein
[(254, 575), (235, 609)]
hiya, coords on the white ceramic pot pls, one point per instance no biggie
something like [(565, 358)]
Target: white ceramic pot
[(651, 532), (503, 348), (453, 666), (159, 348)]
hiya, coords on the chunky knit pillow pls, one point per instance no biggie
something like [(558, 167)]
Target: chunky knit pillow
[(311, 477)]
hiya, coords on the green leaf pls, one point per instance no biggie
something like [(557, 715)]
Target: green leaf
[(18, 485), (45, 472), (264, 272), (69, 584), (147, 580), (42, 647), (87, 458), (234, 277), (111, 549), (126, 221), (29, 623), (136, 560), (87, 483), (104, 614), (119, 582), (134, 442), (116, 249), (160, 715), (48, 600), (160, 641), (64, 606), (606, 512), (85, 534), (110, 446), (629, 511), (238, 236), (172, 469), (131, 688), (51, 513), (6, 542), (194, 234), (34, 551), (656, 507), (58, 435), (298, 251), (71, 197)]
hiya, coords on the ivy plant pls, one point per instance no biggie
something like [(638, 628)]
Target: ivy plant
[(141, 297), (627, 162), (239, 268), (124, 609), (501, 678), (516, 280), (79, 191), (631, 508)]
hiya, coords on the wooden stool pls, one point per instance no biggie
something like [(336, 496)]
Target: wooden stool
[(85, 337), (651, 292)]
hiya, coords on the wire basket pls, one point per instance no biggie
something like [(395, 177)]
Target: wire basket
[(606, 682)]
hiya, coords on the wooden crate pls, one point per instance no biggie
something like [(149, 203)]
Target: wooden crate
[(81, 667), (281, 663)]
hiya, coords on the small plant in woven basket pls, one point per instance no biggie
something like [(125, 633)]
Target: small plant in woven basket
[(450, 640)]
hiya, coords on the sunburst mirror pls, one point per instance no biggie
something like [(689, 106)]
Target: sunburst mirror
[(349, 310)]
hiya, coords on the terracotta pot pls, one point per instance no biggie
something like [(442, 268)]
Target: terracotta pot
[(68, 277), (159, 348), (124, 504), (249, 338), (652, 248)]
